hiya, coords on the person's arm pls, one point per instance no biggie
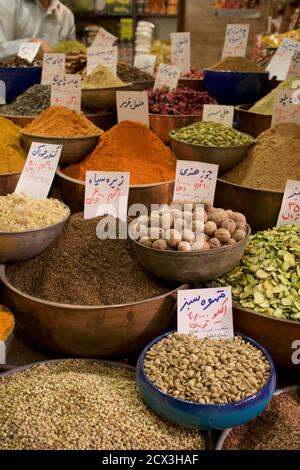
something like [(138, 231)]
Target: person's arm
[(8, 45)]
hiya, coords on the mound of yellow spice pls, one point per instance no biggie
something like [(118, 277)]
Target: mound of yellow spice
[(12, 156)]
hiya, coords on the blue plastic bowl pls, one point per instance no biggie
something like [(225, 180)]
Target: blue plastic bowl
[(235, 88), (19, 79), (204, 417)]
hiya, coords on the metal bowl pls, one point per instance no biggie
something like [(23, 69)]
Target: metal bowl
[(8, 340), (8, 183), (143, 86), (163, 124), (260, 206), (196, 84), (251, 123), (91, 331), (20, 121), (226, 157), (21, 246), (72, 191), (101, 98), (74, 150), (191, 267)]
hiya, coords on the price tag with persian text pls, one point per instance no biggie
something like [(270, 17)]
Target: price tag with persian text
[(104, 39), (145, 62), (106, 192), (53, 64), (66, 91), (107, 56), (286, 107), (218, 113), (205, 313), (167, 76), (294, 70), (39, 170), (290, 207), (281, 61), (133, 106), (2, 92), (181, 51), (236, 40), (28, 50), (195, 181)]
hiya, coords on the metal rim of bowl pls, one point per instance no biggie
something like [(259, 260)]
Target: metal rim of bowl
[(103, 113), (133, 186), (240, 109), (9, 174), (223, 249), (225, 434), (197, 146), (236, 71), (211, 405), (237, 305), (113, 88), (191, 78), (13, 322), (174, 116), (64, 139), (249, 187)]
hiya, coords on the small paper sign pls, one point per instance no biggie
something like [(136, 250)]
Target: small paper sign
[(205, 313), (145, 62), (133, 106), (196, 181), (107, 56), (28, 50), (66, 91), (106, 193), (2, 353), (104, 39), (281, 61), (181, 51), (286, 107), (218, 113), (167, 76), (2, 92), (290, 207), (294, 70), (39, 170), (236, 40), (53, 64)]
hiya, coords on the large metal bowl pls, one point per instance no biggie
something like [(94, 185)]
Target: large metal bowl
[(143, 86), (21, 246), (191, 267), (196, 84), (260, 206), (85, 331), (226, 157), (72, 191), (163, 124), (251, 123), (74, 150), (101, 98), (8, 183), (20, 121)]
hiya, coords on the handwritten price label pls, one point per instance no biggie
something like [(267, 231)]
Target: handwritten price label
[(39, 170), (167, 76), (53, 64), (196, 181), (286, 107), (290, 207), (281, 61), (181, 51), (66, 91), (294, 70), (106, 193), (205, 313), (218, 113), (236, 40), (2, 92), (133, 106), (104, 39), (145, 62), (107, 56), (28, 50)]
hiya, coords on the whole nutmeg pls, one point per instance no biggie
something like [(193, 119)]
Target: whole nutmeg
[(167, 221), (241, 226), (230, 213), (180, 224), (173, 237), (222, 235), (188, 236), (139, 231), (205, 247), (239, 235), (210, 227), (146, 242), (143, 220), (176, 204), (200, 214), (198, 245), (155, 233), (238, 217), (214, 243), (184, 246), (160, 245), (218, 216), (229, 224), (155, 220), (197, 226), (187, 216), (176, 213), (230, 242), (164, 209), (208, 207), (206, 237)]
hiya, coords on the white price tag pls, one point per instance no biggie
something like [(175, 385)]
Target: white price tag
[(236, 40), (2, 92), (286, 107), (205, 313), (106, 192), (181, 51), (53, 64), (66, 91), (167, 76), (39, 170), (145, 62), (107, 56), (281, 61), (294, 70), (218, 113), (133, 106), (290, 207), (196, 181), (104, 39), (28, 50), (2, 353)]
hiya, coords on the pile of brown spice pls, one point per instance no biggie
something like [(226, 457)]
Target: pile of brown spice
[(273, 160), (236, 64)]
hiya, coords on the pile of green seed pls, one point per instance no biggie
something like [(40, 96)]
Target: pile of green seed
[(205, 370), (79, 405), (268, 277), (212, 134)]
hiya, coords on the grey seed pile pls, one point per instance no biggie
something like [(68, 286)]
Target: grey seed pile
[(206, 371), (31, 103), (80, 405)]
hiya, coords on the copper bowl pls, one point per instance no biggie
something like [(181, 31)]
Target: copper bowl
[(251, 123), (143, 86), (91, 331), (8, 183), (20, 121), (163, 124), (72, 191)]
